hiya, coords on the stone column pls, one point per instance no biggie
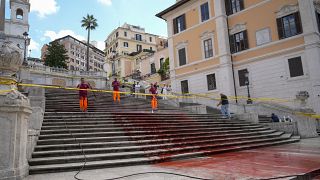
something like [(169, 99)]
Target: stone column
[(14, 112), (225, 70)]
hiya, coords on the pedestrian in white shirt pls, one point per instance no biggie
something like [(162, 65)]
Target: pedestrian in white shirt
[(164, 91), (137, 89)]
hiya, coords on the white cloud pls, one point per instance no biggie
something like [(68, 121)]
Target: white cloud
[(105, 2), (53, 35), (101, 45), (34, 46), (44, 8)]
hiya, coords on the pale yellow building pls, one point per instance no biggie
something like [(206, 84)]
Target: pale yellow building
[(124, 43), (224, 45)]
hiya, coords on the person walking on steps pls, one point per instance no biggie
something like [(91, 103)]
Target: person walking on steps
[(154, 101), (133, 88), (164, 92), (137, 90), (116, 90), (83, 95), (224, 105)]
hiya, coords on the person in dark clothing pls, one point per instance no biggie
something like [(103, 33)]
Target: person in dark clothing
[(275, 118), (133, 88), (224, 105), (116, 90), (154, 101), (83, 95)]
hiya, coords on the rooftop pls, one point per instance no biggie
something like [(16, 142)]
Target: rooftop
[(171, 8)]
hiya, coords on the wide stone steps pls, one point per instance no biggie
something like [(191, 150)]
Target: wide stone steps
[(128, 127), (148, 144), (160, 156), (146, 131), (161, 150), (113, 134), (141, 136), (103, 121), (73, 145)]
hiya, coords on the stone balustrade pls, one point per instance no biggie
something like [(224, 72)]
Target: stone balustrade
[(44, 75)]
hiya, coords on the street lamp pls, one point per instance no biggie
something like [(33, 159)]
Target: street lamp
[(25, 36), (249, 101)]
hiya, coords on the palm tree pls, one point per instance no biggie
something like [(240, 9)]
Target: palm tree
[(90, 23)]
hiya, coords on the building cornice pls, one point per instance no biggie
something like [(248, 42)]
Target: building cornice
[(171, 8)]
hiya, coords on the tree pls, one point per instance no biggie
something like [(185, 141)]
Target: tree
[(56, 56), (90, 23), (164, 70)]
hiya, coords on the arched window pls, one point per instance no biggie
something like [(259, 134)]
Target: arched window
[(19, 14)]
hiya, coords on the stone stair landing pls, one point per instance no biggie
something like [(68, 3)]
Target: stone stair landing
[(127, 134)]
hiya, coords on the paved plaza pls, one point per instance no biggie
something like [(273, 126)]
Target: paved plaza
[(263, 163)]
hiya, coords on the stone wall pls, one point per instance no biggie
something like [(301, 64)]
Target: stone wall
[(285, 127), (37, 102)]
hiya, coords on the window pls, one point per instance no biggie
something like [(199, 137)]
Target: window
[(117, 44), (161, 63), (182, 57), (239, 42), (138, 37), (125, 44), (179, 24), (117, 34), (78, 62), (151, 48), (208, 48), (153, 68), (184, 87), (139, 48), (289, 26), (150, 38), (295, 67), (211, 81), (19, 14), (125, 34), (205, 12), (234, 6), (243, 79), (318, 20)]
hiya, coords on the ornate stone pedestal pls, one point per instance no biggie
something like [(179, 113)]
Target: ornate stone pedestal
[(14, 112)]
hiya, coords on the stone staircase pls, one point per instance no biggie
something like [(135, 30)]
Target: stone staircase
[(265, 119), (113, 135)]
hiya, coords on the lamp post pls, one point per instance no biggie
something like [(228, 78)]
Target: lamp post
[(25, 36), (249, 101)]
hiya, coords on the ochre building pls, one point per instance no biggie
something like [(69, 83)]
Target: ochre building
[(270, 47)]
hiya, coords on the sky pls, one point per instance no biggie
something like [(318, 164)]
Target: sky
[(52, 19)]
